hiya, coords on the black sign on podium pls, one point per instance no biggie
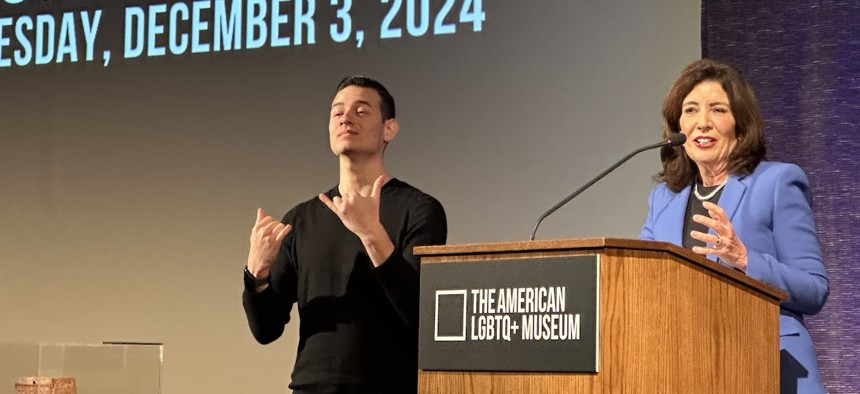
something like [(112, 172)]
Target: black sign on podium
[(524, 315)]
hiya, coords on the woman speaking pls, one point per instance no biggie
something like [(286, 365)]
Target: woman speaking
[(720, 198)]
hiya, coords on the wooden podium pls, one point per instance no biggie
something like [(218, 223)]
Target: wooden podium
[(669, 321)]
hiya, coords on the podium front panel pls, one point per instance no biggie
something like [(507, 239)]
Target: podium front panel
[(522, 315)]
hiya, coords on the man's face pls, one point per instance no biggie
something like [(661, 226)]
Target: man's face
[(355, 125)]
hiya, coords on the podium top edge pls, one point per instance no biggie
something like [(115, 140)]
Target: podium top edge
[(596, 243), (542, 245)]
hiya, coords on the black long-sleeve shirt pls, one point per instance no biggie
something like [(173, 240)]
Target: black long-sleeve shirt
[(358, 324)]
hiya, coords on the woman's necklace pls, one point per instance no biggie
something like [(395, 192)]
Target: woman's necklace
[(711, 194)]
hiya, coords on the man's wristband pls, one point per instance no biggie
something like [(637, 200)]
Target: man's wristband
[(252, 282)]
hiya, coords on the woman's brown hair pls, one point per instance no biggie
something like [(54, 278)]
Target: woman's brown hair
[(679, 170)]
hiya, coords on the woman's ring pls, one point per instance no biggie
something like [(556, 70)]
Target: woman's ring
[(719, 241)]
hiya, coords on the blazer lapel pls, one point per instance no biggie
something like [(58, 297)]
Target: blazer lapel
[(730, 200), (675, 212)]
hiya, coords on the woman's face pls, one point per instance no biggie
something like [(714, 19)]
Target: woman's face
[(708, 123)]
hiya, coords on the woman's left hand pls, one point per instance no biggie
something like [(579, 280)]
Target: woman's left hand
[(724, 242)]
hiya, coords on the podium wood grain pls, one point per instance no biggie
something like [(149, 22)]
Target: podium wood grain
[(670, 322)]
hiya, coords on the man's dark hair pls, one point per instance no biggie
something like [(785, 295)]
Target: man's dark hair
[(386, 102)]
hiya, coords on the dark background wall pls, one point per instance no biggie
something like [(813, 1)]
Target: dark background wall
[(803, 59)]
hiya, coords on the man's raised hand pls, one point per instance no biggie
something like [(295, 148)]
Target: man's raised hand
[(358, 211), (266, 237)]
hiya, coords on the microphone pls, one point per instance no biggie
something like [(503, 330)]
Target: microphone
[(675, 139)]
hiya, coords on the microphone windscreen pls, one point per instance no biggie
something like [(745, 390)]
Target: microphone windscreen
[(676, 139)]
